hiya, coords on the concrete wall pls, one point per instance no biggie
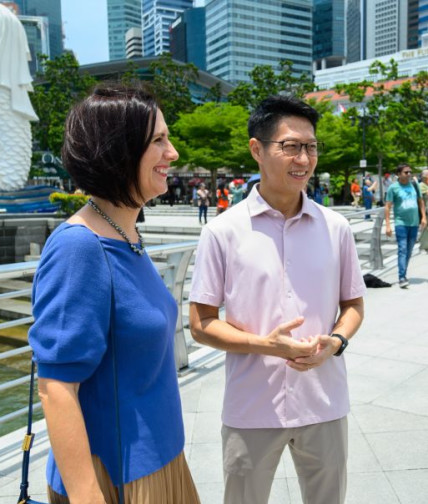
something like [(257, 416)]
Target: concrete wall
[(18, 232)]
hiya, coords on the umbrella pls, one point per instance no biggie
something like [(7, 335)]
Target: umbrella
[(195, 181)]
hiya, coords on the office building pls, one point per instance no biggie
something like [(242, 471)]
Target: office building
[(50, 9), (422, 20), (37, 30), (413, 23), (387, 27), (243, 33), (158, 15), (409, 63), (355, 30), (121, 15), (134, 43), (188, 37), (328, 33)]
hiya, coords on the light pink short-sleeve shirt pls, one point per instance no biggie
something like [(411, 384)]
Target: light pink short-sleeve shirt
[(266, 270)]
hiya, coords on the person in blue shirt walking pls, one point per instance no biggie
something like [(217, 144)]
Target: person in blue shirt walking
[(369, 189), (95, 277), (406, 200)]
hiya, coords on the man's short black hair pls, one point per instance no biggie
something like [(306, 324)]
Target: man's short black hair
[(105, 137), (264, 120), (401, 167)]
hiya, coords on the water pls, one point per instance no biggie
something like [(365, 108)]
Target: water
[(16, 397)]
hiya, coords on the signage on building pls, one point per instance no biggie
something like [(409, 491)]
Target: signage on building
[(415, 53)]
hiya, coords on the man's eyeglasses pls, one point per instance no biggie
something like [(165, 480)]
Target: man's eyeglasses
[(407, 172), (292, 148)]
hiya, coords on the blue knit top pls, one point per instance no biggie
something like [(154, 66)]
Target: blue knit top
[(72, 310)]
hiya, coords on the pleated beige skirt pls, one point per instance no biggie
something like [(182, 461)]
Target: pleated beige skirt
[(173, 484)]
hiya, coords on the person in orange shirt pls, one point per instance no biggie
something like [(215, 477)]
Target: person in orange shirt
[(356, 193), (222, 198)]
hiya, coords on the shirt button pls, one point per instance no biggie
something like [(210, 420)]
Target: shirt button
[(288, 263), (289, 294)]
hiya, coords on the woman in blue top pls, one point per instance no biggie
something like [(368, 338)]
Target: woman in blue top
[(116, 148)]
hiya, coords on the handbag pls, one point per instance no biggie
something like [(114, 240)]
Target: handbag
[(24, 498)]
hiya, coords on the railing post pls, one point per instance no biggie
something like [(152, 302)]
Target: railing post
[(175, 277), (376, 257)]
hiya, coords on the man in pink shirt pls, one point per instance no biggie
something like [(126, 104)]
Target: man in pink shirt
[(287, 272)]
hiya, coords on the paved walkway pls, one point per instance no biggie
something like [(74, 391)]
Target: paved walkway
[(388, 443)]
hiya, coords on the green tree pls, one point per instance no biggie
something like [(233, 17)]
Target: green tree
[(266, 82), (171, 85), (55, 91), (342, 150), (214, 136)]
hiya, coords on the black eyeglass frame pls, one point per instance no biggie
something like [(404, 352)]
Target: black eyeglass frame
[(320, 146)]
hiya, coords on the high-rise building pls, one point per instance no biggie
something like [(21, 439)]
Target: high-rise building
[(37, 31), (122, 15), (355, 30), (244, 33), (328, 33), (423, 20), (52, 10), (413, 22), (158, 15), (387, 26), (188, 38), (134, 43)]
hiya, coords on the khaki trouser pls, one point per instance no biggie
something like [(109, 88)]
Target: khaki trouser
[(172, 484), (319, 452)]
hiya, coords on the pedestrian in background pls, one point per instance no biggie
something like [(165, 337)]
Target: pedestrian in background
[(203, 196), (222, 198), (423, 186), (369, 189), (407, 202), (355, 193)]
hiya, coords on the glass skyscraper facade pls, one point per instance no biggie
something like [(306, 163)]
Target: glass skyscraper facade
[(244, 33), (158, 15), (122, 15), (52, 10), (188, 38), (413, 20), (37, 31), (423, 20), (328, 33)]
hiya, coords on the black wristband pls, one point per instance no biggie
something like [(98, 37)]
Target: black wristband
[(342, 346)]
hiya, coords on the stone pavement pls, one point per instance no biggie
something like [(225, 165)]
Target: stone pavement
[(388, 425)]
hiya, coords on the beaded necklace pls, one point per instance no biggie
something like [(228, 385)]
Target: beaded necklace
[(139, 251)]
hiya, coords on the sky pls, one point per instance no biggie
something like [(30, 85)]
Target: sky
[(85, 29)]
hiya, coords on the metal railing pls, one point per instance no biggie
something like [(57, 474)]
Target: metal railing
[(368, 236), (172, 262)]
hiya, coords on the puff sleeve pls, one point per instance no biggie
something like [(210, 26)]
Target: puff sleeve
[(71, 305)]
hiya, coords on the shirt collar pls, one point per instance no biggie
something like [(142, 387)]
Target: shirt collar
[(257, 205)]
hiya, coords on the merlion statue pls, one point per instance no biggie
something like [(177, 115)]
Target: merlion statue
[(16, 110)]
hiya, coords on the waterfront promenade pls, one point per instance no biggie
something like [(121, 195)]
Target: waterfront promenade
[(388, 425)]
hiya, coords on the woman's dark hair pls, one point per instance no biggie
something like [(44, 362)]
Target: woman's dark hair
[(264, 120), (105, 137)]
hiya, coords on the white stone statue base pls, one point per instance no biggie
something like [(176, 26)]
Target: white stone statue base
[(15, 145)]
